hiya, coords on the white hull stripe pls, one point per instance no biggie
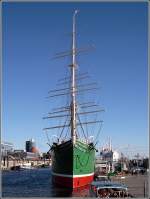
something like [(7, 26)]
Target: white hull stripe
[(72, 176)]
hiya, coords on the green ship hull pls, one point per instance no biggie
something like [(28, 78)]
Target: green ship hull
[(73, 165)]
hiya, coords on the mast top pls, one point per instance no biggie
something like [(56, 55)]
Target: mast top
[(76, 11)]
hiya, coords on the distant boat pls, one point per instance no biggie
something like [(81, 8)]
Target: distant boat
[(26, 166), (73, 158), (22, 167), (107, 189)]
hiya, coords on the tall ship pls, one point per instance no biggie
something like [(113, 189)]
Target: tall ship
[(73, 157)]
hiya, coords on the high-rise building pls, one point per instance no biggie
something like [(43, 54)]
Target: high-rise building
[(31, 146)]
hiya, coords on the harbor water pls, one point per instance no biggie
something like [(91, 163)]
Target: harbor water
[(35, 183), (38, 183)]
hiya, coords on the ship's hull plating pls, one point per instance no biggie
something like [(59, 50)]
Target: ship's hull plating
[(73, 165)]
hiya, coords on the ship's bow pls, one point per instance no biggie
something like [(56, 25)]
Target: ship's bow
[(73, 164)]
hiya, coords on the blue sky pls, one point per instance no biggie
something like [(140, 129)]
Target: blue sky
[(34, 32)]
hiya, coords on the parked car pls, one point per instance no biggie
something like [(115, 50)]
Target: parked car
[(137, 170)]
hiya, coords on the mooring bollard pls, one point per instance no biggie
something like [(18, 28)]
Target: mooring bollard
[(144, 189)]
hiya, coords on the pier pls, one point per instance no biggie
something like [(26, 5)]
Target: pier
[(137, 184)]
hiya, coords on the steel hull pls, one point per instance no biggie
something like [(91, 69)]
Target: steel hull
[(73, 165)]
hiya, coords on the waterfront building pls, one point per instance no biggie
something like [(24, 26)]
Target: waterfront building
[(116, 156), (21, 155), (109, 155), (6, 147), (108, 159), (31, 156), (18, 151)]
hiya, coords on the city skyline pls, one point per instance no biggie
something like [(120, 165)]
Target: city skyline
[(34, 32)]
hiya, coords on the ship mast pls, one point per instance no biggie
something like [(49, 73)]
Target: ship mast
[(72, 90), (73, 83)]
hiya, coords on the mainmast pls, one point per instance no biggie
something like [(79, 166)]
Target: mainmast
[(71, 90), (73, 83)]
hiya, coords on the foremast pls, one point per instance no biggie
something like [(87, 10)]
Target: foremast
[(73, 82)]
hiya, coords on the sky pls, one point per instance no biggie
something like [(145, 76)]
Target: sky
[(34, 32)]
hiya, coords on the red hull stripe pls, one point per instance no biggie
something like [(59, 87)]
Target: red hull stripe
[(73, 176), (73, 182)]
